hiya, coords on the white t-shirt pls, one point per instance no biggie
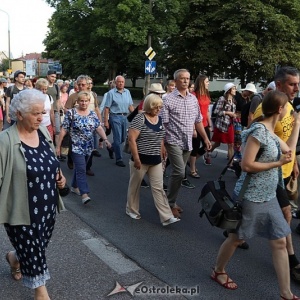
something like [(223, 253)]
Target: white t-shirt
[(48, 104)]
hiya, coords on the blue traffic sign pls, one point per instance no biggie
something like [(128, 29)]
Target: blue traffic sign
[(150, 67)]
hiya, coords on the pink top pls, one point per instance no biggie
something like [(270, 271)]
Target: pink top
[(64, 98)]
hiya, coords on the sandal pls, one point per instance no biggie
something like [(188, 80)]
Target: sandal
[(13, 271), (194, 174), (215, 276), (294, 298)]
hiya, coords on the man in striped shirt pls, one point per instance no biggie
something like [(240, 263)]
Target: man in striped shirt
[(180, 114)]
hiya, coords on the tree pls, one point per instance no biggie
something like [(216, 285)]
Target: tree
[(245, 39), (109, 36)]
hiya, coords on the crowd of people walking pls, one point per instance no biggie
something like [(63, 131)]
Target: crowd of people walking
[(171, 127)]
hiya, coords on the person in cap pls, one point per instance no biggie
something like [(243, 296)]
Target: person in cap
[(117, 106), (242, 101), (18, 86), (223, 129), (257, 99)]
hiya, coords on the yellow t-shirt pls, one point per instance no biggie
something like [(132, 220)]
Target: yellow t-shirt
[(283, 129)]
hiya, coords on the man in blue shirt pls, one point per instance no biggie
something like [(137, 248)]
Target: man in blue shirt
[(118, 104)]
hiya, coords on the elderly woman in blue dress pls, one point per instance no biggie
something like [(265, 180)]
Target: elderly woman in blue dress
[(81, 123), (30, 178), (262, 214)]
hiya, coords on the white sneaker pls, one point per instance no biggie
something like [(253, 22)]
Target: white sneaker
[(86, 200), (170, 221), (133, 215)]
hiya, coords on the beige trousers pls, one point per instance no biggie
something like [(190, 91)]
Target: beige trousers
[(155, 175)]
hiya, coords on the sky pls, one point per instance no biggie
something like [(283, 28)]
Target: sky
[(28, 26)]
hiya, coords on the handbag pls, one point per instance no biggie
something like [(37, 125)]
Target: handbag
[(126, 147), (220, 209)]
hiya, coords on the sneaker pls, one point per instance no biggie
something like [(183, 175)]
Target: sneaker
[(144, 184), (86, 200), (120, 163), (296, 214), (133, 215), (170, 221), (206, 159), (110, 153), (96, 153), (185, 183), (231, 169)]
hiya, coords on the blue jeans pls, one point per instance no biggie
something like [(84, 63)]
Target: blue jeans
[(118, 125), (79, 176)]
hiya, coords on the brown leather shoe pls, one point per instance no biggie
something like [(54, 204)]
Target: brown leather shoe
[(178, 208), (175, 212)]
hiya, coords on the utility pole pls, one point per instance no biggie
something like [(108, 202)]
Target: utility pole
[(147, 79), (8, 29)]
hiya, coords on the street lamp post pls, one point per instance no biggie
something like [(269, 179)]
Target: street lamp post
[(8, 30)]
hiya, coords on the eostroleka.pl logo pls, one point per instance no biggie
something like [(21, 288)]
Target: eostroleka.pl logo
[(139, 289)]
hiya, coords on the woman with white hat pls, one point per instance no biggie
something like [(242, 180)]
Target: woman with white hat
[(223, 128)]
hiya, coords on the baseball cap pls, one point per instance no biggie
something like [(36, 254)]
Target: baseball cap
[(16, 74), (3, 80)]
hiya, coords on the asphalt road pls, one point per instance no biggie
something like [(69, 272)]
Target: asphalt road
[(181, 254)]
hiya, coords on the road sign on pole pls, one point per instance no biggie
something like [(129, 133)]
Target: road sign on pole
[(150, 67), (150, 53)]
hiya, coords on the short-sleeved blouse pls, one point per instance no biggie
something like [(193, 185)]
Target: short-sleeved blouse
[(149, 139), (262, 185), (82, 132)]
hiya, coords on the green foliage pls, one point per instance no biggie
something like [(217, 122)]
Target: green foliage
[(244, 39)]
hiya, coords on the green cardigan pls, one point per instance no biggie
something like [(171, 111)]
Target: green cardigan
[(14, 206)]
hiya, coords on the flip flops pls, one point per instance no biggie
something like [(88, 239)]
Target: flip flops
[(13, 271)]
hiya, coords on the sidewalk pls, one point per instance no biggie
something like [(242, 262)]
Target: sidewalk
[(82, 265)]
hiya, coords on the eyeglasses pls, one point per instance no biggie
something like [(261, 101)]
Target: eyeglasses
[(158, 107), (81, 84)]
